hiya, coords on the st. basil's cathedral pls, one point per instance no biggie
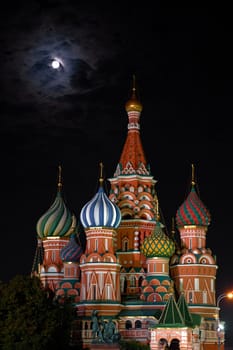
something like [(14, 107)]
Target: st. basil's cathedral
[(155, 289)]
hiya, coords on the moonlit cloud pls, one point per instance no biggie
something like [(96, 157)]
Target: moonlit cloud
[(32, 41)]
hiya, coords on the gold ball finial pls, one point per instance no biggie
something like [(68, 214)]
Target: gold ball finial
[(133, 104)]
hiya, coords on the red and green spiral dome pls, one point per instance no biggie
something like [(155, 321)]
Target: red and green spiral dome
[(193, 211)]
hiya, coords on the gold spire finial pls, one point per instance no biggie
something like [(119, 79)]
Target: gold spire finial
[(59, 178), (101, 173), (134, 86), (173, 225), (193, 176), (173, 231)]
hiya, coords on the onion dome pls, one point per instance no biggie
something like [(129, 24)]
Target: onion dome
[(133, 104), (57, 221), (100, 211), (72, 251), (158, 244), (193, 211)]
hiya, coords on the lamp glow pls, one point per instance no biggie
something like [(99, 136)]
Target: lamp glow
[(220, 326)]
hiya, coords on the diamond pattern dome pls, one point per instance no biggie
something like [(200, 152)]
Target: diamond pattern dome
[(158, 244)]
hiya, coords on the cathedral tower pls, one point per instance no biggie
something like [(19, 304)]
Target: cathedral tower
[(193, 266), (99, 266), (54, 229), (133, 190)]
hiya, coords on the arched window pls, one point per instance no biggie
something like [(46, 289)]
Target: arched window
[(53, 256), (175, 344), (132, 281), (126, 216), (128, 324), (205, 299), (163, 344), (96, 245), (93, 289), (125, 285), (138, 324), (125, 246), (140, 280), (190, 297)]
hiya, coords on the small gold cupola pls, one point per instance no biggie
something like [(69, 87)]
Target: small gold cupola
[(133, 104)]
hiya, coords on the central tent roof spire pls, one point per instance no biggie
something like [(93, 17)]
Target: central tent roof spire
[(133, 160)]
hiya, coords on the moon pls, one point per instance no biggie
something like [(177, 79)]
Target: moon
[(55, 64)]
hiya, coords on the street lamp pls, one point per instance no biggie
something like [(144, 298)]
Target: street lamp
[(219, 326)]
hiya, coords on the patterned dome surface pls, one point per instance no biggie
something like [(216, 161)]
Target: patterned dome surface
[(158, 244), (72, 251), (100, 212), (57, 221), (193, 211)]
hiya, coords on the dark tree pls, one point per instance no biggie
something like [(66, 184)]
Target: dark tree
[(30, 318)]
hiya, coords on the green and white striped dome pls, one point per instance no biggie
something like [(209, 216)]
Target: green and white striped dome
[(57, 221)]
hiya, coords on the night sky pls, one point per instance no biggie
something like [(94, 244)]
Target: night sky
[(75, 116)]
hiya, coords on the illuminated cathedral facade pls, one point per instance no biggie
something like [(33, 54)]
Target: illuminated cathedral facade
[(157, 289)]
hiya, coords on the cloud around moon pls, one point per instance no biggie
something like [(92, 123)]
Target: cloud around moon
[(33, 38)]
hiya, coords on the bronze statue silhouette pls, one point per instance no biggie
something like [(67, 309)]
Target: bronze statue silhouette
[(103, 331)]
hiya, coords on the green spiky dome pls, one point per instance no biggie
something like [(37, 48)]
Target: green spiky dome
[(158, 244)]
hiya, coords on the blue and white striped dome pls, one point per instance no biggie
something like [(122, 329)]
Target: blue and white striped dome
[(100, 212)]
